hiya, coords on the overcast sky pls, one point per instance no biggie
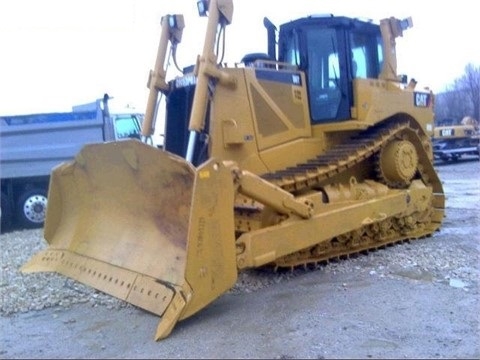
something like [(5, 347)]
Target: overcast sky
[(58, 53)]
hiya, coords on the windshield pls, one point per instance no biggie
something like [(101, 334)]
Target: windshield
[(127, 126)]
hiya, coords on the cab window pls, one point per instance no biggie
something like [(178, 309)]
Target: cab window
[(324, 73), (367, 55)]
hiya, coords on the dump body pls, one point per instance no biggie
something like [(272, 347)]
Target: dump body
[(32, 145), (285, 160)]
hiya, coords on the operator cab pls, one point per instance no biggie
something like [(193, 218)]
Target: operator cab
[(332, 51)]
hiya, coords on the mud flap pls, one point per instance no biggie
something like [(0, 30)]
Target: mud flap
[(142, 225)]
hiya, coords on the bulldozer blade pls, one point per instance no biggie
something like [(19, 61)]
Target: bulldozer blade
[(143, 225)]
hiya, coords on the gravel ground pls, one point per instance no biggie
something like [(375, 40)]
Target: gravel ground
[(447, 261), (20, 292), (36, 291)]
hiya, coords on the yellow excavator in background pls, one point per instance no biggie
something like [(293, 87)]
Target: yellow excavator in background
[(454, 139), (311, 151)]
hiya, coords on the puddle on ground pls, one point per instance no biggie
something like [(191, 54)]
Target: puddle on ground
[(379, 343), (415, 274), (457, 283)]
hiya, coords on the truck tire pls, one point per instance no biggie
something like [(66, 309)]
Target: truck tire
[(31, 208), (6, 213)]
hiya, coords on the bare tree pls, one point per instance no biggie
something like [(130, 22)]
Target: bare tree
[(450, 105), (471, 83), (462, 98)]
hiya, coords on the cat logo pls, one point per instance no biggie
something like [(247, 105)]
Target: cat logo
[(421, 99), (296, 80), (447, 132)]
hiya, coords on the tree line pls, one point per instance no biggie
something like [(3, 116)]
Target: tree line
[(461, 98)]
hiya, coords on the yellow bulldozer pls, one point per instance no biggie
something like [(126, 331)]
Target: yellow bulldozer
[(313, 150)]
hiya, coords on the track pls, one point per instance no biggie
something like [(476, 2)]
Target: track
[(329, 167)]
